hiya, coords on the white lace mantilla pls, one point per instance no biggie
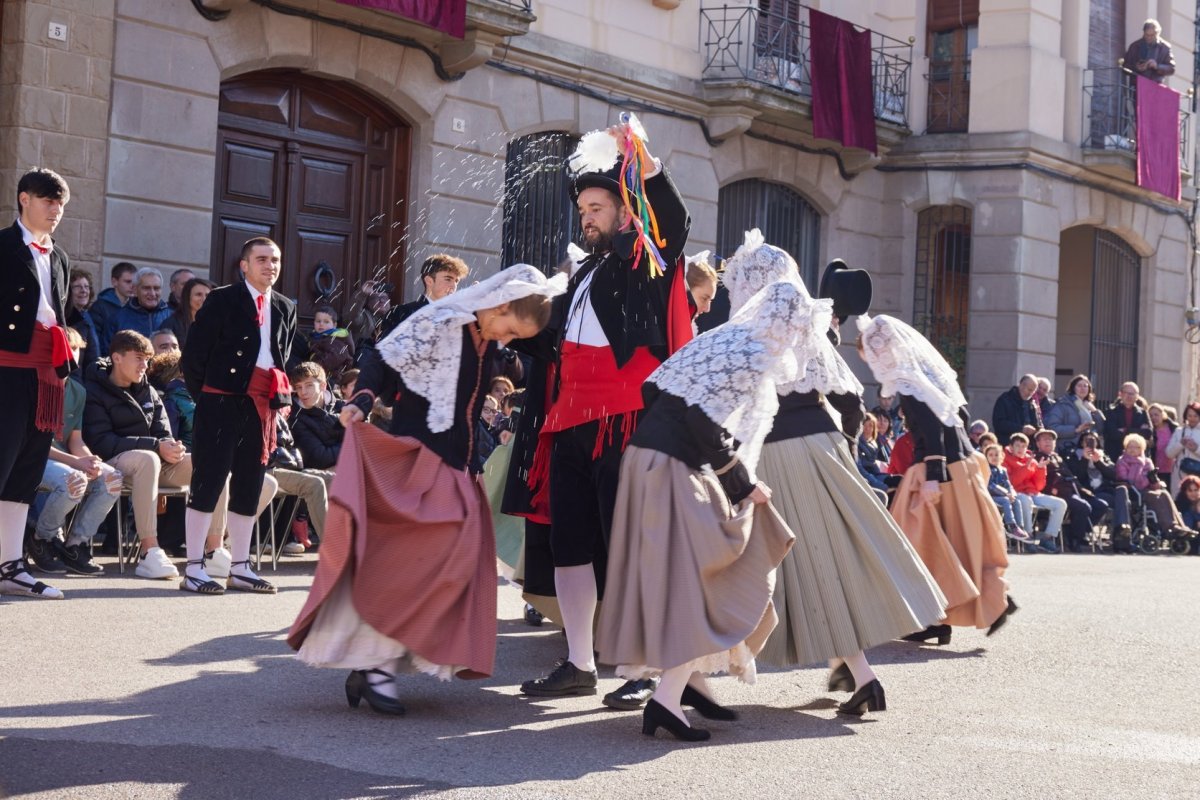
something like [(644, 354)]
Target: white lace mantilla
[(731, 372), (820, 367), (426, 349), (904, 362)]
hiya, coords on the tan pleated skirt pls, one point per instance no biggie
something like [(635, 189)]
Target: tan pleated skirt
[(689, 577), (852, 581), (960, 538)]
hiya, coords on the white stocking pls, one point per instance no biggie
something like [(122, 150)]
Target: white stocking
[(577, 598), (381, 684), (196, 524), (860, 669), (12, 530), (670, 690), (241, 531)]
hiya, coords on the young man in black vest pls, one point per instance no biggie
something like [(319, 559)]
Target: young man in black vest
[(233, 365), (34, 359), (611, 329)]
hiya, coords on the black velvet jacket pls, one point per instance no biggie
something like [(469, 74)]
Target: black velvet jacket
[(222, 345), (932, 438), (456, 446), (669, 425), (19, 289)]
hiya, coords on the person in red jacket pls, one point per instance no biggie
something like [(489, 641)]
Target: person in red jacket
[(902, 455), (1028, 477)]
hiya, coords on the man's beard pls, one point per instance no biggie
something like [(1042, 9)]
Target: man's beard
[(602, 241)]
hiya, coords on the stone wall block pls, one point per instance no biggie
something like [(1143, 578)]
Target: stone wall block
[(418, 87), (337, 51), (483, 126), (87, 116), (455, 222), (97, 158), (87, 198), (23, 63), (161, 115), (992, 330), (995, 255), (42, 109), (595, 114), (65, 154), (180, 177), (21, 149), (92, 36), (727, 160), (694, 176), (467, 175), (100, 72), (69, 72), (287, 35), (177, 60), (234, 43), (181, 16), (558, 108), (521, 109), (1041, 222), (135, 229)]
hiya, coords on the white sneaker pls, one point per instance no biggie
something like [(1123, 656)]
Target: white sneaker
[(156, 566), (216, 563), (293, 549)]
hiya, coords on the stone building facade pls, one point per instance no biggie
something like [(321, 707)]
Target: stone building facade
[(1001, 212)]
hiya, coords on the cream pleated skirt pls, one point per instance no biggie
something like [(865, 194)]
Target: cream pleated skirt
[(852, 580), (689, 576)]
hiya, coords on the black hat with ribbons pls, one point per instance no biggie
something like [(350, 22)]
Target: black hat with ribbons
[(849, 289)]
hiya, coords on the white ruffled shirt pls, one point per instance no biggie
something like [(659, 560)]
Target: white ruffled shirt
[(583, 326), (265, 359), (41, 261)]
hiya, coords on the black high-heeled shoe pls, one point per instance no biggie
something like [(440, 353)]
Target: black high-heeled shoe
[(707, 707), (655, 716), (869, 698), (939, 632), (841, 679), (1003, 618), (359, 688)]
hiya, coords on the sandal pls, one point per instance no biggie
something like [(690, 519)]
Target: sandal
[(255, 584), (15, 579), (190, 584)]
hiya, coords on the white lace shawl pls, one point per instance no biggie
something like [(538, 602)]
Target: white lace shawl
[(819, 365), (426, 349), (731, 372), (904, 362)]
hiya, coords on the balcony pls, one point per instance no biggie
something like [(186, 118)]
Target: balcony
[(1110, 124), (949, 81), (760, 59)]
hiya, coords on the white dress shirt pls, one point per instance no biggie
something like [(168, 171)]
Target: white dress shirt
[(265, 359), (45, 312), (583, 326)]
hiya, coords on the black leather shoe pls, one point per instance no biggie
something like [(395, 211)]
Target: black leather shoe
[(868, 698), (358, 687), (708, 708), (1003, 618), (841, 679), (44, 557), (655, 717), (533, 617), (564, 680), (77, 559), (939, 632), (631, 695)]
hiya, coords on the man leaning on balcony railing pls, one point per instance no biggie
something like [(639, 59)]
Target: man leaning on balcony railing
[(1150, 56)]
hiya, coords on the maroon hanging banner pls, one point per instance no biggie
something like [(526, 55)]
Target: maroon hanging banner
[(448, 16), (843, 106), (1157, 138)]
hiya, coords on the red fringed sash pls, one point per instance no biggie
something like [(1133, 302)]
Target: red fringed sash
[(267, 387), (48, 350)]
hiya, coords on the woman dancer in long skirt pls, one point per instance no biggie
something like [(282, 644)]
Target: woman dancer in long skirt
[(407, 577), (694, 543), (852, 581), (942, 504)]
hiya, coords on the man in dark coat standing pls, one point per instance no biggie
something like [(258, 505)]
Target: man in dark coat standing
[(1124, 417), (34, 359), (233, 365), (611, 329), (1014, 411)]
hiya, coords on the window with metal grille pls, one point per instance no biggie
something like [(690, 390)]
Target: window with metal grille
[(786, 220), (1116, 276), (941, 291), (539, 218)]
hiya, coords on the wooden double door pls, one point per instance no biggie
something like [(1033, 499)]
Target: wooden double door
[(321, 169)]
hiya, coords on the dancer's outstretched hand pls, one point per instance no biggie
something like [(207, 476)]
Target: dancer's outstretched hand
[(761, 494), (931, 492)]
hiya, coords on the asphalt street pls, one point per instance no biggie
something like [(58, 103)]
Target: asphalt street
[(133, 689)]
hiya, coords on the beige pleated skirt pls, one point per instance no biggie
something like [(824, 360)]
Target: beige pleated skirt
[(852, 581), (689, 577), (960, 538)]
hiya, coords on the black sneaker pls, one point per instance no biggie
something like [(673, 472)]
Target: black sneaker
[(43, 556), (565, 679), (632, 695), (77, 558)]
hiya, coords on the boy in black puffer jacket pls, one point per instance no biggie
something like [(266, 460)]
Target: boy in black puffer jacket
[(317, 430)]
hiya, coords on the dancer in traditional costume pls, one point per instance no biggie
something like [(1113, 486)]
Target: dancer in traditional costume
[(691, 564), (942, 504), (407, 576), (852, 581)]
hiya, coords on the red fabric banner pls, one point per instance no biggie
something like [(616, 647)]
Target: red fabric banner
[(1157, 138), (448, 16), (843, 105)]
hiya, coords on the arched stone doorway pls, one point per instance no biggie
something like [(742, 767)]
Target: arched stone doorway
[(1099, 275), (322, 169)]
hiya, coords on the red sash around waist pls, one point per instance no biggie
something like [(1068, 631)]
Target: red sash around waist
[(48, 350), (267, 387)]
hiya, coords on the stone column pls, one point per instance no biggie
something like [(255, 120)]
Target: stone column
[(54, 108), (1017, 72)]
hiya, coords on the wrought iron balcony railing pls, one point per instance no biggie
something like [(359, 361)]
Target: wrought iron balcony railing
[(773, 48), (949, 81), (1110, 114)]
